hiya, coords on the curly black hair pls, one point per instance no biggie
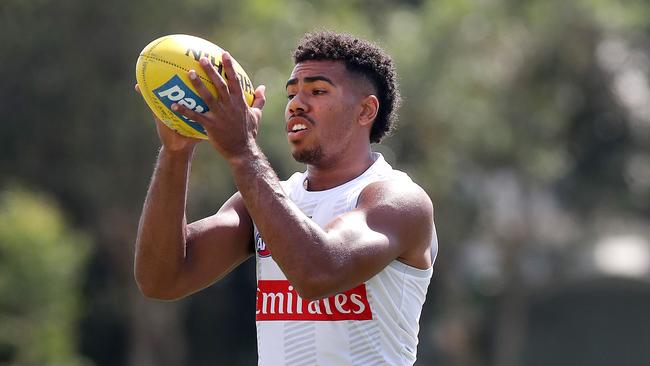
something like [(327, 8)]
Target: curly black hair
[(363, 58)]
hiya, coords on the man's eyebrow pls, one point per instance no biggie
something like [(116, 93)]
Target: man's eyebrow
[(292, 81), (310, 79)]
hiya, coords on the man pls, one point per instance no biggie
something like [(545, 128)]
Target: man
[(344, 250)]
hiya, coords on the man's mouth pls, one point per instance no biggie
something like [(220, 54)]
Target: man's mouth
[(297, 130), (297, 124), (298, 127)]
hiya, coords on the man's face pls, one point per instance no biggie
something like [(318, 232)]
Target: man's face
[(324, 101)]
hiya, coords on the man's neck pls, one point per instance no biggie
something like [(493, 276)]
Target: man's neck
[(322, 177)]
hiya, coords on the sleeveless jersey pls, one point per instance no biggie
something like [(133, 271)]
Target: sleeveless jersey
[(375, 323)]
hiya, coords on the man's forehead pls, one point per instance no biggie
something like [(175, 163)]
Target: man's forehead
[(332, 72), (330, 69)]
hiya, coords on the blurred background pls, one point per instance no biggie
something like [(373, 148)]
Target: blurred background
[(528, 122)]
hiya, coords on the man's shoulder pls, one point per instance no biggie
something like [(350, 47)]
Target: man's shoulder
[(401, 190)]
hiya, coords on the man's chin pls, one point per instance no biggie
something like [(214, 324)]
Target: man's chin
[(311, 156)]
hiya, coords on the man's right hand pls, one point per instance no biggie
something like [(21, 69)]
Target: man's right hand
[(171, 140)]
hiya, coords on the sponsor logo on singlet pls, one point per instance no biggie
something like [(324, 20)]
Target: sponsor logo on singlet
[(278, 300), (260, 245), (262, 250)]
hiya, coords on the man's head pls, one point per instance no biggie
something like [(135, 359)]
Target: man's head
[(363, 59)]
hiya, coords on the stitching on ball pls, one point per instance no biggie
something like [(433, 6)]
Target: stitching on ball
[(175, 65)]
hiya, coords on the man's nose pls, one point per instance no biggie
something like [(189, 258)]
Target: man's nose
[(297, 104)]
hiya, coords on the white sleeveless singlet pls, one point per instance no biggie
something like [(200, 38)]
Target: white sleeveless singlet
[(375, 323)]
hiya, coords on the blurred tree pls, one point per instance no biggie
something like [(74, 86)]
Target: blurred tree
[(41, 267)]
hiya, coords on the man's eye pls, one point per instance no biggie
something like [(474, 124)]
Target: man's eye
[(318, 91), (290, 96)]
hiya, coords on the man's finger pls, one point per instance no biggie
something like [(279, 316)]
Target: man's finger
[(191, 114), (259, 99), (205, 94), (137, 88), (215, 77), (231, 76)]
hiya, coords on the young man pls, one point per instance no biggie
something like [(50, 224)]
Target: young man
[(344, 250)]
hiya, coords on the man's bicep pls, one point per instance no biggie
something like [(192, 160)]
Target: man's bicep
[(367, 249), (391, 222), (217, 244), (404, 213)]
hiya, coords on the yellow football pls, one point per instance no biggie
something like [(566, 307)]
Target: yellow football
[(161, 73)]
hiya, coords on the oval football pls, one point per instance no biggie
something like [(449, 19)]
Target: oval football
[(161, 73)]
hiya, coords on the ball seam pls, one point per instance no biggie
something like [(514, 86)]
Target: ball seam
[(175, 65)]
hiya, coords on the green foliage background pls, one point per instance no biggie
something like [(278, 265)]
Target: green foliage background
[(40, 262), (528, 122)]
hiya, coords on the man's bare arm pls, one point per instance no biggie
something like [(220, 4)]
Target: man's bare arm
[(173, 259), (392, 221)]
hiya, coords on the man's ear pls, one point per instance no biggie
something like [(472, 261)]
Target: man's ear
[(369, 110)]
